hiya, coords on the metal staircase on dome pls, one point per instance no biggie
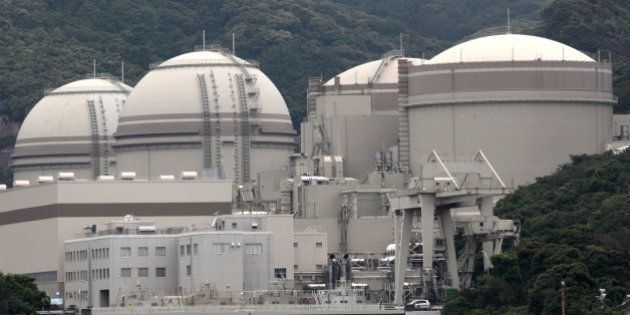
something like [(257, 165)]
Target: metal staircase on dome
[(385, 59), (105, 133), (207, 124), (95, 145), (245, 129)]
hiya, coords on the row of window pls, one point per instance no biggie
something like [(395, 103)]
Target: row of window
[(100, 273), (100, 253), (142, 251), (81, 295), (77, 255), (160, 272), (221, 249), (72, 276)]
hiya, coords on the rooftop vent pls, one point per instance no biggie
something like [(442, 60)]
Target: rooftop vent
[(66, 176), (189, 175), (21, 183), (127, 175), (45, 179), (167, 177), (3, 187), (106, 177)]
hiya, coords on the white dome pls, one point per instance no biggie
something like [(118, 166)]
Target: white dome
[(363, 73), (510, 47), (202, 111), (172, 87), (58, 130)]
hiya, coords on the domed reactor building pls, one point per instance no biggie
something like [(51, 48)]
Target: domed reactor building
[(341, 109), (527, 102), (205, 111), (71, 130)]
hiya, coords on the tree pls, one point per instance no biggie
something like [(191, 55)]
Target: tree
[(19, 295)]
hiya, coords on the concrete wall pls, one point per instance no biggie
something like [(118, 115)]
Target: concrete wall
[(521, 140), (310, 251)]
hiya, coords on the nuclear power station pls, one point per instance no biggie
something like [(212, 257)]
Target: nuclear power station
[(190, 188)]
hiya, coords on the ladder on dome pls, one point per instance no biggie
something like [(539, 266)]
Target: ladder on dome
[(248, 77), (217, 126), (105, 134), (207, 126), (385, 59), (95, 146), (245, 130)]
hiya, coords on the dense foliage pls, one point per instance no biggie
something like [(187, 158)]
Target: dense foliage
[(592, 25), (48, 43), (19, 295), (453, 19), (575, 228)]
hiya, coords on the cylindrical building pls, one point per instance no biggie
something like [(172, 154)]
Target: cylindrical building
[(527, 102), (205, 111), (70, 130)]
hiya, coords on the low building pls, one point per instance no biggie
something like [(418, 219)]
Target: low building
[(132, 260)]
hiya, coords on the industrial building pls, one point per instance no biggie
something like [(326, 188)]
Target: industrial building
[(203, 147), (241, 252)]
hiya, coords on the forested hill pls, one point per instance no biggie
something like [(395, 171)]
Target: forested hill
[(575, 228), (48, 43)]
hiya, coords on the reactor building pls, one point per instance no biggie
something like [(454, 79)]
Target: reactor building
[(200, 157)]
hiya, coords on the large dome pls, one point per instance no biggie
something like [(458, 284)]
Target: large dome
[(70, 129), (205, 111), (510, 47)]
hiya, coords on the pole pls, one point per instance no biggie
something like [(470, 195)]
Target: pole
[(203, 40), (122, 71), (564, 305), (509, 27), (233, 45), (94, 67)]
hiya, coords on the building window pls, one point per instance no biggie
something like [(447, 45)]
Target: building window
[(220, 248), (318, 244), (125, 252), (295, 267), (125, 272), (294, 244), (143, 251), (253, 249), (196, 249), (107, 252), (188, 250), (280, 273), (234, 226), (160, 272), (143, 272), (160, 251), (188, 270), (182, 250), (319, 267)]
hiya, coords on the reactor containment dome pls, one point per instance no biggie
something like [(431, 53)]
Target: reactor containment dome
[(206, 111), (70, 130), (527, 102)]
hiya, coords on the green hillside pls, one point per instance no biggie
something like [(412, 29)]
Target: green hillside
[(48, 43), (575, 228)]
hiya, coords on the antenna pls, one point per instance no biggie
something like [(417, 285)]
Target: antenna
[(203, 40), (94, 67), (233, 45), (122, 71), (509, 26), (402, 52)]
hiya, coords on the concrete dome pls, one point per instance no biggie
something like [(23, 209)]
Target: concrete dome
[(203, 111), (510, 47), (57, 134), (367, 72)]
